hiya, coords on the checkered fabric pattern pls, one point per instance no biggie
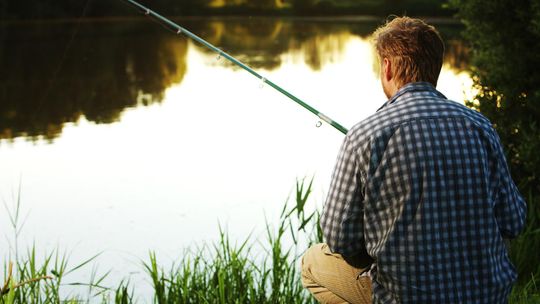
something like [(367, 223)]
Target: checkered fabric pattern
[(424, 187)]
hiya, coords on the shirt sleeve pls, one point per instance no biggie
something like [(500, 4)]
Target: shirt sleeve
[(510, 207), (342, 217)]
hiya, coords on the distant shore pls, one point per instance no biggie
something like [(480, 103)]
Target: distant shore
[(341, 18), (354, 9)]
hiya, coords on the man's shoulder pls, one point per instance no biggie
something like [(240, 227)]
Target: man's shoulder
[(415, 107)]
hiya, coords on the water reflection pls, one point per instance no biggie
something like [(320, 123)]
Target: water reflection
[(211, 146), (55, 73), (260, 42), (51, 76)]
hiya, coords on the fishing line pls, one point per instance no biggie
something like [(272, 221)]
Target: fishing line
[(181, 30)]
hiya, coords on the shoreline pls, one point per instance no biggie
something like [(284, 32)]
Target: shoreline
[(322, 19)]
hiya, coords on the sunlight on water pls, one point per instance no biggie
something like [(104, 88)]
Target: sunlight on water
[(217, 149)]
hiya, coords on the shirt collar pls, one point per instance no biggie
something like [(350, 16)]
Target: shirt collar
[(411, 87)]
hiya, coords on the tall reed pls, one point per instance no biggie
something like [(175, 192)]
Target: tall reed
[(524, 253), (230, 272), (29, 279)]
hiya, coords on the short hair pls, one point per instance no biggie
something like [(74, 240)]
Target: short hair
[(414, 48)]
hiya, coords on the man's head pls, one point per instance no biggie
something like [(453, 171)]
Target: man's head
[(410, 51)]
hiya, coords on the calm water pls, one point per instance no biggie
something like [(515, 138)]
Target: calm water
[(125, 138)]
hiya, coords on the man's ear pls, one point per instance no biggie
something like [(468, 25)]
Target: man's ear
[(387, 69)]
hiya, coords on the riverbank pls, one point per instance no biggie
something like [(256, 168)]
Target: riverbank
[(222, 272), (141, 18)]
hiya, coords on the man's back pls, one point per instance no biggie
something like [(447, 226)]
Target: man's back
[(437, 200), (420, 189)]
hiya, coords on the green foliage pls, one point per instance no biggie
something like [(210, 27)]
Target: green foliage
[(231, 273), (31, 280), (526, 294), (505, 39), (381, 8), (524, 249), (299, 5)]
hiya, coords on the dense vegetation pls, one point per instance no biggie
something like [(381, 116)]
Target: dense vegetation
[(505, 39)]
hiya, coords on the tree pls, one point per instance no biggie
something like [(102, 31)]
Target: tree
[(300, 5), (266, 4), (505, 39)]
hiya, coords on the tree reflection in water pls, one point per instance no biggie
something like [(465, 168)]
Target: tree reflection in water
[(52, 75)]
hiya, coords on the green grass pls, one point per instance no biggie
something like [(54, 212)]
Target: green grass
[(250, 271), (264, 271), (525, 256), (236, 273)]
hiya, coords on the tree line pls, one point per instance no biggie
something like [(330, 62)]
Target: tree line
[(51, 76), (17, 10)]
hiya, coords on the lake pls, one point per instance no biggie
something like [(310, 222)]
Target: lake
[(123, 137)]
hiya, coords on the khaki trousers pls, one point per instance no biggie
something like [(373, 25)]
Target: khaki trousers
[(333, 279)]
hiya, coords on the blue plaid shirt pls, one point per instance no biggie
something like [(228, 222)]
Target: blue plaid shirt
[(424, 187)]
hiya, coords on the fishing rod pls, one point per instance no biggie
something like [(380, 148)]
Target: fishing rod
[(181, 30)]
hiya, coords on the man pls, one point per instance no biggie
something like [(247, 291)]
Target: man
[(421, 197)]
